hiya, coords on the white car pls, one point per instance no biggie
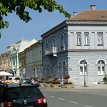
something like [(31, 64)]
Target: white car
[(15, 79)]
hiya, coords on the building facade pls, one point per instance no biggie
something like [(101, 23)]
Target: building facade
[(34, 60), (15, 49), (77, 47), (4, 61), (22, 63)]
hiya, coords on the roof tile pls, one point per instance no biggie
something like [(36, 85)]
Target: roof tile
[(90, 15)]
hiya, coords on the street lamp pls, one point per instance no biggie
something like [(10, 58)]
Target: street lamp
[(63, 72), (85, 70), (62, 82)]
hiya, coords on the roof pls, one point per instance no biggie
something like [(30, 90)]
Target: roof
[(90, 15)]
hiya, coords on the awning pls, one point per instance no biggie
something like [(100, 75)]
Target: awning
[(3, 73)]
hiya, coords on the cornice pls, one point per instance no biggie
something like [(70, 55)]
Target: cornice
[(54, 29), (86, 50), (74, 23), (91, 23)]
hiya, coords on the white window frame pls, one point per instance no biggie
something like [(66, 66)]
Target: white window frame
[(79, 38), (54, 47), (101, 67), (86, 39), (83, 69), (100, 38)]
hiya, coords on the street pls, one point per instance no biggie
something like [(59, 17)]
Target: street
[(76, 97)]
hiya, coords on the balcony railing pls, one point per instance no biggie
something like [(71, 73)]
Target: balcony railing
[(51, 51)]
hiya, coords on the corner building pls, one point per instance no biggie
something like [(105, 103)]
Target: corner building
[(77, 47)]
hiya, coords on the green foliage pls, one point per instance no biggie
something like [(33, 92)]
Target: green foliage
[(66, 77), (19, 7), (105, 79)]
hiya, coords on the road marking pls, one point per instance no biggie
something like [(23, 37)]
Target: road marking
[(88, 106), (60, 98), (52, 96), (70, 101), (73, 102)]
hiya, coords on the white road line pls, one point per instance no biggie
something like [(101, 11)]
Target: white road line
[(60, 98), (73, 102), (88, 106), (70, 101), (52, 96)]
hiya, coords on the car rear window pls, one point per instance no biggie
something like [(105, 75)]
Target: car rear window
[(23, 92)]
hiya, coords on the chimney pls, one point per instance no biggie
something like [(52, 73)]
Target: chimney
[(93, 7), (75, 13)]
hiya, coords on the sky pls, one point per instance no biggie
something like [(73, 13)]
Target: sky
[(42, 22)]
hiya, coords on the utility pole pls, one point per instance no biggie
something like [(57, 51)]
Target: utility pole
[(85, 67)]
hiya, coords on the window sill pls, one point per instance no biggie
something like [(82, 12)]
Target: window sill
[(83, 74), (86, 45), (100, 45), (78, 45), (100, 74)]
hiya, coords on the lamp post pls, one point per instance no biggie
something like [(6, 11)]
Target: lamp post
[(63, 66), (62, 82), (85, 70)]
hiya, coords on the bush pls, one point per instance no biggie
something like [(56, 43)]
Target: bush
[(68, 83), (51, 85), (66, 77), (105, 80)]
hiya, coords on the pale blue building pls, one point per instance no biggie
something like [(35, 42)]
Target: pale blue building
[(77, 47), (15, 49)]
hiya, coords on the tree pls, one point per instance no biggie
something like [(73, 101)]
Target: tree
[(20, 8)]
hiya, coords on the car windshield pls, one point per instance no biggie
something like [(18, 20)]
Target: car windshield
[(26, 81), (23, 92), (17, 78)]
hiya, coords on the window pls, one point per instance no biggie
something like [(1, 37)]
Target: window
[(54, 46), (86, 38), (83, 68), (100, 38), (62, 42), (79, 40), (101, 67)]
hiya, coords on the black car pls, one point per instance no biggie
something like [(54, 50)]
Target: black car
[(21, 95)]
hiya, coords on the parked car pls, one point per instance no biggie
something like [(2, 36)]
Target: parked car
[(29, 81), (17, 80), (21, 95), (14, 79)]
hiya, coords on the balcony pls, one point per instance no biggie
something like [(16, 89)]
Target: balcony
[(51, 52)]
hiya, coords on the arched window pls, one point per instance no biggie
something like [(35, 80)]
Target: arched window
[(101, 67), (83, 67)]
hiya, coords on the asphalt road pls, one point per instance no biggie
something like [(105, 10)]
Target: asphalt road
[(76, 97)]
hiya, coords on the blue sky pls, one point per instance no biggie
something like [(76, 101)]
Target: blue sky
[(42, 22)]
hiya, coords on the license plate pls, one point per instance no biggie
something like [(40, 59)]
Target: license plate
[(29, 106)]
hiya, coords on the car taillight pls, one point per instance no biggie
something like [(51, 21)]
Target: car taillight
[(8, 104), (41, 101)]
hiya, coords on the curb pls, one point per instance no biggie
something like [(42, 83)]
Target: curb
[(77, 87)]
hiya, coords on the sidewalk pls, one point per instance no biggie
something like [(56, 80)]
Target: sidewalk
[(94, 86), (98, 86)]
